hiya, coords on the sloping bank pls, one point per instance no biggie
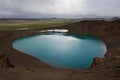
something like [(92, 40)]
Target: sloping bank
[(29, 68)]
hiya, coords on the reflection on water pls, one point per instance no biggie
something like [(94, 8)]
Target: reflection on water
[(62, 50)]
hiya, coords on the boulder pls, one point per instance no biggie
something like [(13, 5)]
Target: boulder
[(97, 61), (4, 61)]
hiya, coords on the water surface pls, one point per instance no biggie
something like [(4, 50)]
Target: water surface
[(62, 50)]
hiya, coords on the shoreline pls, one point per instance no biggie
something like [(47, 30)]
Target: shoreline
[(107, 31)]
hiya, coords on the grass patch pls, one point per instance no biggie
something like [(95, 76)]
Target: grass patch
[(15, 24), (118, 48)]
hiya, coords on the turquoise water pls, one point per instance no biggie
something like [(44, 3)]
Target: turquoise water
[(62, 50)]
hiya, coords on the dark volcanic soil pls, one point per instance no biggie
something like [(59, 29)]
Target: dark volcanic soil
[(30, 68)]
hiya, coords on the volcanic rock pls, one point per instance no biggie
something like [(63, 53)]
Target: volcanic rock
[(4, 61)]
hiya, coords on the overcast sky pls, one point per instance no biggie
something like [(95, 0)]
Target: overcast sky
[(58, 8)]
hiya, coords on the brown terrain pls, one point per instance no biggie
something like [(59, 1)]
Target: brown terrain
[(15, 65)]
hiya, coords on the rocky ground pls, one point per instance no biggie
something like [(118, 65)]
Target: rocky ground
[(15, 65)]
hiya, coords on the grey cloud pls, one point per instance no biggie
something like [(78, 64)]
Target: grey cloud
[(58, 8), (103, 7)]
